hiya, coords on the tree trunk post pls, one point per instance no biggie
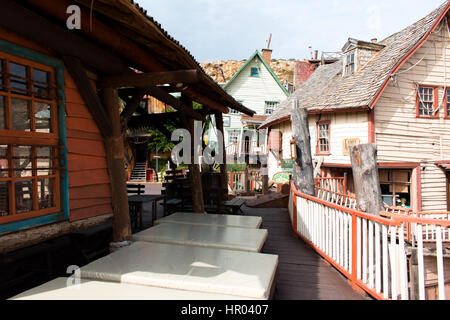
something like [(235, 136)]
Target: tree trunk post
[(194, 169), (223, 166), (365, 177), (303, 166), (115, 159)]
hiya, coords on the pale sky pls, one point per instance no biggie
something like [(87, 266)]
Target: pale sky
[(233, 29)]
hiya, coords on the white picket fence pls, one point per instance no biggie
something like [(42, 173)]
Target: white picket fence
[(370, 251)]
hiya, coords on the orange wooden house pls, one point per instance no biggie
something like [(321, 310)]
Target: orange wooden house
[(61, 144)]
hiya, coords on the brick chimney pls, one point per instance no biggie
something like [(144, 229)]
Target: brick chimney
[(267, 55), (302, 71)]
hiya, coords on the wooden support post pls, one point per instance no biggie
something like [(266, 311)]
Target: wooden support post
[(76, 70), (365, 177), (247, 179), (115, 160), (303, 166), (223, 166), (414, 274), (194, 169)]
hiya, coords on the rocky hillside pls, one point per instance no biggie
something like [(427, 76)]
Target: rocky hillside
[(222, 71)]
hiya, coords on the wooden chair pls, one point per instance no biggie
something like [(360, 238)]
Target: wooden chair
[(134, 189)]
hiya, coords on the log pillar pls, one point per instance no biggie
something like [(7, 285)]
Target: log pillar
[(195, 177), (264, 166), (365, 177), (303, 167), (115, 160), (223, 166)]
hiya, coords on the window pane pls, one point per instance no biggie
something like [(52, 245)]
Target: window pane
[(45, 193), (448, 102), (4, 161), (2, 113), (254, 72), (40, 83), (21, 114), (4, 199), (24, 196), (18, 78), (44, 161), (22, 161), (42, 114)]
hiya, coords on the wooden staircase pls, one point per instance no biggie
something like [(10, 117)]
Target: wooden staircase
[(138, 174)]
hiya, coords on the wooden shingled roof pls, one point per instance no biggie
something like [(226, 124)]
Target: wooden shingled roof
[(327, 90), (132, 21)]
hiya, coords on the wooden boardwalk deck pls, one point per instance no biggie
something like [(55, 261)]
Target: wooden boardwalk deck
[(302, 273)]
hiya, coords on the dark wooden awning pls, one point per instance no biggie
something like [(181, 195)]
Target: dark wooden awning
[(125, 29)]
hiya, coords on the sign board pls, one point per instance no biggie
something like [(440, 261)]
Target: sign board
[(288, 165), (281, 177), (348, 143)]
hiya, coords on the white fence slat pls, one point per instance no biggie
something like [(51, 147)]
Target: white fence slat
[(440, 263), (377, 258), (358, 248), (364, 255), (394, 261), (385, 263), (371, 265), (403, 270), (420, 261)]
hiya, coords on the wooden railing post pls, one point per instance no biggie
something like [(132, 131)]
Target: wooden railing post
[(294, 212)]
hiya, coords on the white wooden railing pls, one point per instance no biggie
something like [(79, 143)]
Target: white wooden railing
[(370, 251)]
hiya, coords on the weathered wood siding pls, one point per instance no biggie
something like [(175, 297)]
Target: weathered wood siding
[(89, 184), (401, 136), (274, 165), (343, 125), (253, 92)]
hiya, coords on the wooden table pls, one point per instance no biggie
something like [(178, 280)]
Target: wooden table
[(136, 206), (235, 204)]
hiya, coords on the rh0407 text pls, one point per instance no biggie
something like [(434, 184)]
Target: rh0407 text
[(234, 309)]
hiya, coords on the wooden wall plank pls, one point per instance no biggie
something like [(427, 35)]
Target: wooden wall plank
[(90, 192), (88, 177), (88, 203), (78, 110), (85, 213), (73, 96), (71, 133), (82, 124), (82, 162), (86, 147)]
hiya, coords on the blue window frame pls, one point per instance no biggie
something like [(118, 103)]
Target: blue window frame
[(254, 72), (58, 67)]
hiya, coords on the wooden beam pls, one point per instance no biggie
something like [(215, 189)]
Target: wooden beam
[(115, 159), (150, 79), (59, 39), (194, 169), (131, 106), (76, 70), (193, 95), (223, 167), (175, 103), (152, 119)]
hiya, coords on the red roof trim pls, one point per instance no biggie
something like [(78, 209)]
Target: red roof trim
[(408, 55)]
